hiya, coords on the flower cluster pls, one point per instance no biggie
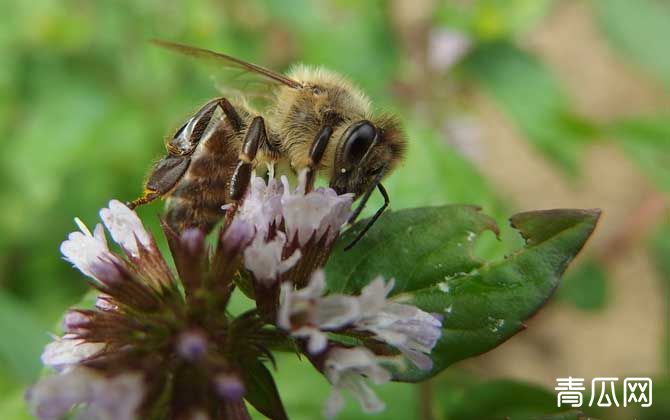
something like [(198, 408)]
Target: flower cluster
[(162, 344)]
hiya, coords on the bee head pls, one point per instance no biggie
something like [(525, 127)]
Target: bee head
[(366, 152)]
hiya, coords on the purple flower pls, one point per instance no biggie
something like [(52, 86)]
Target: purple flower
[(154, 343), (405, 327), (315, 214), (164, 344), (306, 313)]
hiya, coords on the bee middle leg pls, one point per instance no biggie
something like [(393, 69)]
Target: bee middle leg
[(255, 136)]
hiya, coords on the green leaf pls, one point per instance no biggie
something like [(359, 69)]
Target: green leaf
[(647, 142), (585, 287), (497, 399), (429, 251), (533, 99), (416, 246), (640, 30), (262, 391)]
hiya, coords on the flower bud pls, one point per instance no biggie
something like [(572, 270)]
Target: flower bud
[(229, 386), (192, 345)]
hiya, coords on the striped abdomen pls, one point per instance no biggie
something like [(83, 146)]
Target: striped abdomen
[(197, 198)]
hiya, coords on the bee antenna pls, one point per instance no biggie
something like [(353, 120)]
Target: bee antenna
[(374, 218)]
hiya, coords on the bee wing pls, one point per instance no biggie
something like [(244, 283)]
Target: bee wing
[(229, 62)]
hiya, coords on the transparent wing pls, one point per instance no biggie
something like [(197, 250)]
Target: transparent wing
[(245, 76)]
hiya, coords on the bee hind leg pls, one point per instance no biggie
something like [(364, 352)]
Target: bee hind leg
[(255, 136)]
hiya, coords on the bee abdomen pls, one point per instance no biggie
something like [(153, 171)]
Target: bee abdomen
[(197, 202), (197, 199)]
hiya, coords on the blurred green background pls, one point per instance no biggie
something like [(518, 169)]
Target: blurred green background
[(509, 104)]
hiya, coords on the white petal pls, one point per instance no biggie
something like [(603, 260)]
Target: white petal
[(406, 327), (340, 210), (52, 397), (366, 397), (124, 226), (289, 262), (333, 404), (336, 311), (84, 250), (420, 360), (373, 296), (317, 342), (318, 211), (315, 288), (264, 259), (343, 359), (348, 368), (67, 351), (82, 226), (262, 206), (285, 305), (117, 397)]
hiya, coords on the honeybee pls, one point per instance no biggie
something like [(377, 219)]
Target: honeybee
[(316, 120)]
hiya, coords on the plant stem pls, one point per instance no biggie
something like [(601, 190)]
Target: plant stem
[(425, 390)]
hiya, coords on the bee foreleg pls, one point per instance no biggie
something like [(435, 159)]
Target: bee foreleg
[(163, 177), (316, 152), (255, 136), (147, 197)]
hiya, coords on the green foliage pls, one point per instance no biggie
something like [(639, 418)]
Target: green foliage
[(303, 391), (585, 286), (429, 251), (647, 142), (660, 252), (492, 19), (660, 408), (534, 100), (496, 400), (262, 392), (12, 405), (640, 30), (24, 337), (430, 158), (85, 104)]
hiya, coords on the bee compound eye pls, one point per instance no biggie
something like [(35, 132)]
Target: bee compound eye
[(358, 142)]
